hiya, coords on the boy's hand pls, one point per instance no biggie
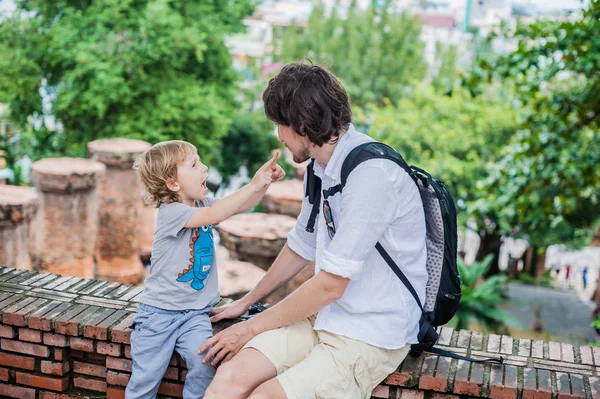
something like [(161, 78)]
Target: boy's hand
[(264, 176)]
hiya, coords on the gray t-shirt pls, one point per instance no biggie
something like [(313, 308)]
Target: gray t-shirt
[(183, 272)]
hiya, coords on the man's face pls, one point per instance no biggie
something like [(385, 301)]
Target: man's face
[(298, 145)]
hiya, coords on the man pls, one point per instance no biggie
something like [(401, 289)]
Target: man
[(344, 330)]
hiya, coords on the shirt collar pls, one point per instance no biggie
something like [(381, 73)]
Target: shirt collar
[(340, 151)]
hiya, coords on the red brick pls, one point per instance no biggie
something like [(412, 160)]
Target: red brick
[(25, 348), (476, 341), (462, 385), (15, 314), (53, 384), (89, 383), (464, 338), (537, 349), (170, 389), (81, 344), (554, 350), (577, 388), (77, 354), (59, 354), (445, 336), (114, 378), (381, 391), (429, 380), (3, 374), (121, 332), (443, 396), (25, 334), (524, 347), (55, 368), (7, 331), (405, 376), (52, 395), (95, 357), (183, 375), (27, 363), (499, 390), (118, 364), (11, 391), (128, 351), (89, 369), (586, 355), (595, 386), (109, 349), (566, 353), (56, 340), (42, 319), (172, 373), (563, 386), (115, 393), (494, 343), (174, 360), (596, 354), (182, 363), (410, 394)]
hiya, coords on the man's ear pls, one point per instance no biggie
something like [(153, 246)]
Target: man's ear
[(172, 185)]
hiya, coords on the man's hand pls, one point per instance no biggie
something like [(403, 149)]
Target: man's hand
[(229, 311), (227, 343), (264, 175)]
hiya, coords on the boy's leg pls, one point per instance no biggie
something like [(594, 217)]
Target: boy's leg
[(152, 343), (193, 333)]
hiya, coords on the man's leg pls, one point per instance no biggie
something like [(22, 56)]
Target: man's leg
[(238, 377), (265, 356)]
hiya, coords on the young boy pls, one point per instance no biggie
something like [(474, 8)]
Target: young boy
[(182, 287)]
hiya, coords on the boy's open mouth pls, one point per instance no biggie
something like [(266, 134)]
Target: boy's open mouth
[(204, 184)]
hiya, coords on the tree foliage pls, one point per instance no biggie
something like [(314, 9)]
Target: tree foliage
[(545, 187), (453, 137), (376, 53), (149, 69)]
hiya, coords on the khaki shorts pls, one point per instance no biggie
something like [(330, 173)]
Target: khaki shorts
[(320, 365)]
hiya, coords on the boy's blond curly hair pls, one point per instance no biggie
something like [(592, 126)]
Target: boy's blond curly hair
[(157, 165)]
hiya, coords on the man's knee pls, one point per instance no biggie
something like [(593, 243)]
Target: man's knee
[(227, 383), (271, 389)]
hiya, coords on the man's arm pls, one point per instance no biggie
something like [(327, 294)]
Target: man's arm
[(286, 266), (307, 300)]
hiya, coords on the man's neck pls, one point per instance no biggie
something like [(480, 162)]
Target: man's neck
[(323, 154)]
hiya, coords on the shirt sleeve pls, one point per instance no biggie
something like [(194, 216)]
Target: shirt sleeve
[(299, 240), (172, 218), (368, 206)]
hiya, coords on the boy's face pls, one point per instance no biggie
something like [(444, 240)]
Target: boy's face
[(191, 180)]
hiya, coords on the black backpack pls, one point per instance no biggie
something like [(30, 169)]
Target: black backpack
[(443, 291)]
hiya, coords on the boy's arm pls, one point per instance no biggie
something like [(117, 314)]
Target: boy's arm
[(277, 174), (223, 208)]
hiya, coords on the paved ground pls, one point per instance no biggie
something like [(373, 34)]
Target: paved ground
[(565, 316)]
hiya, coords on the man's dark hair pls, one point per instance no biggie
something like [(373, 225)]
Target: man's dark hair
[(310, 100)]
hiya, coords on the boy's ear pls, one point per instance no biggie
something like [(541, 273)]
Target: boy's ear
[(172, 185)]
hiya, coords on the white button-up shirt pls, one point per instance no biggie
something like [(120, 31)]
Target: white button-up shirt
[(380, 202)]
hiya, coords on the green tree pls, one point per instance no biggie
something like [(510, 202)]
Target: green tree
[(149, 69), (376, 53), (452, 137), (545, 187), (481, 299), (249, 138)]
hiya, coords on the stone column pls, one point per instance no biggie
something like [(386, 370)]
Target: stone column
[(255, 237), (118, 254), (66, 226), (284, 198), (18, 205)]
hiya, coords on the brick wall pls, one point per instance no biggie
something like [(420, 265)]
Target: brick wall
[(66, 337)]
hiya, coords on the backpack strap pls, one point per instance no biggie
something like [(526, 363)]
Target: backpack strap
[(313, 192), (454, 355)]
